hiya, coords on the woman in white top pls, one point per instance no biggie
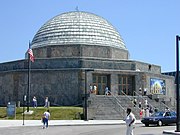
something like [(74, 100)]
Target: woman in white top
[(130, 121), (146, 102)]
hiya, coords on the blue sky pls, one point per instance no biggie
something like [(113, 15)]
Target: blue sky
[(148, 27)]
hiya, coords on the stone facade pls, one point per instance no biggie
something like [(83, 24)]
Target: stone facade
[(63, 79), (90, 51)]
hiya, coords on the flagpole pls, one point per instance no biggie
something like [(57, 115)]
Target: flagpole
[(29, 81)]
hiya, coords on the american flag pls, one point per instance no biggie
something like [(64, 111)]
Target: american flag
[(31, 56)]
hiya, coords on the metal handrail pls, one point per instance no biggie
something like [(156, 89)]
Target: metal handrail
[(127, 96), (151, 104), (144, 100), (130, 100), (166, 106), (119, 103)]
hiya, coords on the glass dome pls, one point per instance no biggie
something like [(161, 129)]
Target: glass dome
[(77, 28)]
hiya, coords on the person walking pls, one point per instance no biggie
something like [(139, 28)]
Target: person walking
[(141, 113), (150, 110), (145, 91), (130, 122), (45, 119), (135, 102), (146, 103), (147, 112), (90, 89), (95, 89), (34, 102), (46, 102), (140, 105), (106, 91)]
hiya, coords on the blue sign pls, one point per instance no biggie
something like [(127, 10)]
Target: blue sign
[(11, 109)]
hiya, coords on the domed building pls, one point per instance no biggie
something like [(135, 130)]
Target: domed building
[(78, 34), (76, 52)]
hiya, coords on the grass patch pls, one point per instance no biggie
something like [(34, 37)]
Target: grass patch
[(57, 113)]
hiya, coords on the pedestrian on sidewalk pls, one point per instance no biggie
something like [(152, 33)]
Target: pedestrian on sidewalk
[(45, 119), (130, 122)]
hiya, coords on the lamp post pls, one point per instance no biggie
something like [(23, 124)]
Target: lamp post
[(85, 95), (177, 85), (24, 100)]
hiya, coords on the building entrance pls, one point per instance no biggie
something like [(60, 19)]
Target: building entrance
[(100, 81), (126, 85)]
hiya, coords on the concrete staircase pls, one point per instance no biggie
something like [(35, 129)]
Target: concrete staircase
[(154, 103), (102, 107)]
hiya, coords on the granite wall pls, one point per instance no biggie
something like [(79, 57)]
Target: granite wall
[(93, 51), (63, 79), (62, 87)]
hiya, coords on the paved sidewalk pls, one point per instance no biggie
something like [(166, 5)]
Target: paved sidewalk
[(15, 123), (18, 123)]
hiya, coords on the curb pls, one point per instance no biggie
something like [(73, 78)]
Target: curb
[(18, 123), (171, 132)]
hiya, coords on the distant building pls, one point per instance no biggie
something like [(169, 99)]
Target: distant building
[(67, 46), (173, 73)]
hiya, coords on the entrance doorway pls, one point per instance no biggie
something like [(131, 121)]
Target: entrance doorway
[(101, 81), (126, 84)]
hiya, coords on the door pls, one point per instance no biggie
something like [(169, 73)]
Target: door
[(125, 85), (101, 82)]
